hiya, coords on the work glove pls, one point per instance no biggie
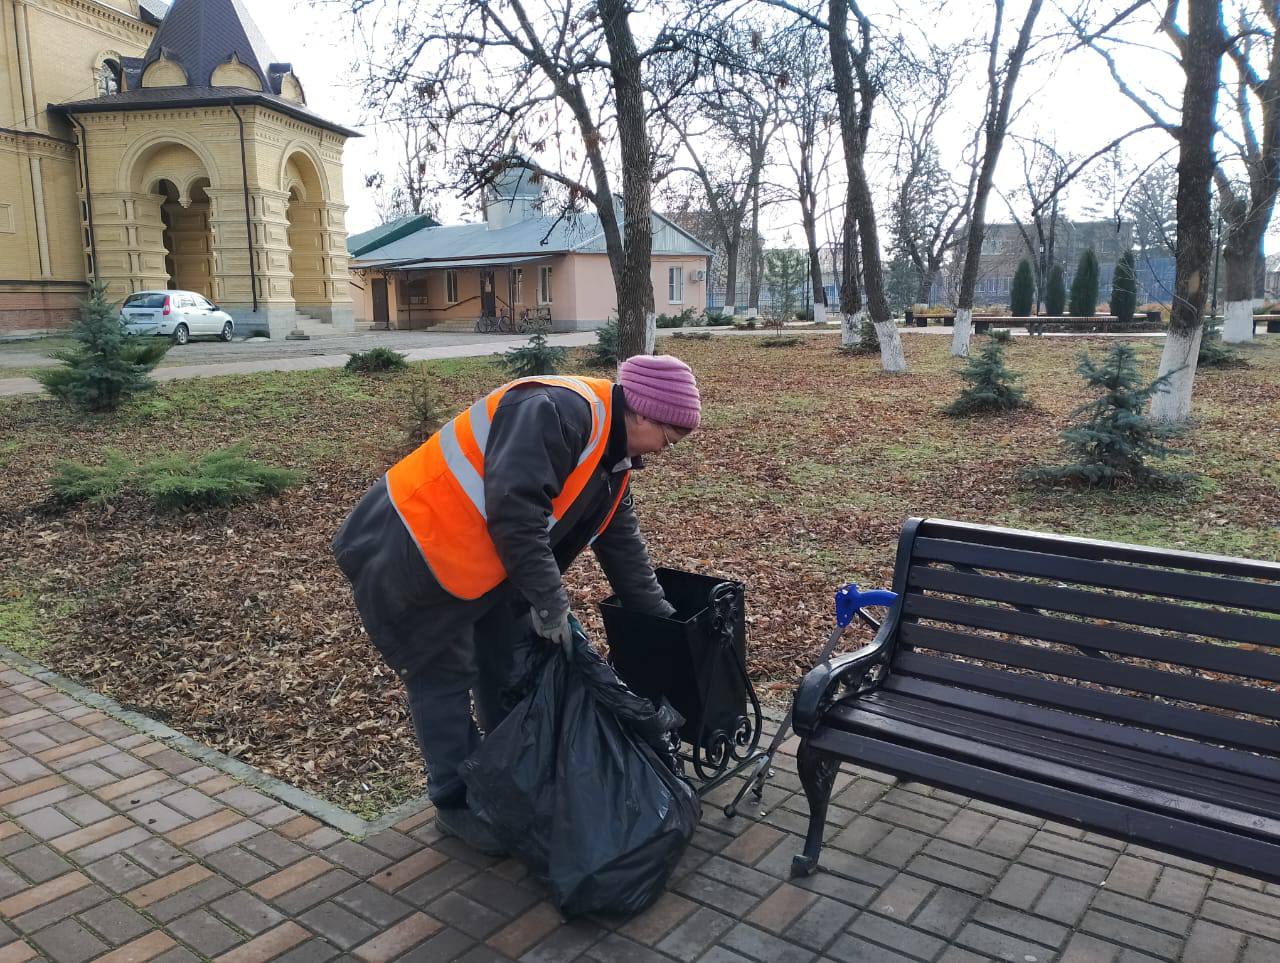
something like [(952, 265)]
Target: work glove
[(665, 610), (554, 628)]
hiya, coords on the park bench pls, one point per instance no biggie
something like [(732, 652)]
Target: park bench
[(1124, 689), (1038, 325)]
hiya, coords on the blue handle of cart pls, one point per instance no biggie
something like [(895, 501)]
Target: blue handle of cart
[(849, 599)]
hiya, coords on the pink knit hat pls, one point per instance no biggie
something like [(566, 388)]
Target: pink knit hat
[(661, 387)]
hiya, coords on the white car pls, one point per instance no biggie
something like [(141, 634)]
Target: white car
[(181, 315)]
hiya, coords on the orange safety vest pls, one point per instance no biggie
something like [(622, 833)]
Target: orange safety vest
[(438, 489)]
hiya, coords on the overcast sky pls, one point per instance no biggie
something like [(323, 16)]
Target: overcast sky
[(1074, 99)]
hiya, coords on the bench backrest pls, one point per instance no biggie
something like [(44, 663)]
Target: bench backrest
[(1172, 642)]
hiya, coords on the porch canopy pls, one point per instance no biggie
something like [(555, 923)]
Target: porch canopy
[(429, 264)]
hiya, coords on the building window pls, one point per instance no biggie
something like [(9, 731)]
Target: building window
[(544, 285), (108, 78), (517, 286), (451, 287), (675, 285)]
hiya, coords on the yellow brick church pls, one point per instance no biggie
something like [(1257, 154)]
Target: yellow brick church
[(154, 146)]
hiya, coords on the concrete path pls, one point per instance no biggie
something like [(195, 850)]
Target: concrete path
[(116, 846)]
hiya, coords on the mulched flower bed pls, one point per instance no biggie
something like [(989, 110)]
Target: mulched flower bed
[(235, 627)]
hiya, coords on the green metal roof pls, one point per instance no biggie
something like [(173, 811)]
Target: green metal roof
[(358, 244)]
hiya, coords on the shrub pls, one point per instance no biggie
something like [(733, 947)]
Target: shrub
[(1113, 437), (1022, 293), (1055, 292), (426, 413), (1124, 288), (605, 349), (1084, 286), (776, 342), (221, 478), (224, 477), (376, 360), (1214, 352), (1001, 335), (109, 366), (805, 314), (991, 386), (669, 321), (719, 319), (693, 335), (538, 357)]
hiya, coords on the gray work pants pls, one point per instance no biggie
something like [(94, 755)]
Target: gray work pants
[(441, 704)]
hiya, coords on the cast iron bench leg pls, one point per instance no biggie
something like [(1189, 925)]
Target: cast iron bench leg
[(817, 774)]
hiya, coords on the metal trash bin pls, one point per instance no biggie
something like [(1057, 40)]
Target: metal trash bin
[(697, 661)]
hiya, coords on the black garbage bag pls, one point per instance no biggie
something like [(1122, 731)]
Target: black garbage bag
[(576, 783)]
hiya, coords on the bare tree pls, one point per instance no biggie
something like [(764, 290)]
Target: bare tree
[(1200, 47), (1247, 208), (808, 106), (928, 207), (406, 187), (1002, 80), (566, 91)]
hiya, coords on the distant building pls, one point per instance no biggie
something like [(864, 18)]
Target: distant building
[(416, 273)]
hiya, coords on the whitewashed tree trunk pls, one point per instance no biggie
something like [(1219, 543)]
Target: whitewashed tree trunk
[(819, 313), (650, 332), (1238, 323), (729, 310), (964, 329), (753, 313), (1181, 351), (892, 358), (850, 325)]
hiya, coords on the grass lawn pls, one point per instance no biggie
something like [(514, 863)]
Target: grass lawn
[(235, 626)]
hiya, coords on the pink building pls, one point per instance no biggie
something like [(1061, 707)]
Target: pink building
[(417, 274)]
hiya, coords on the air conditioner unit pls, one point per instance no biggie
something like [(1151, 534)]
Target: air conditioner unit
[(697, 275)]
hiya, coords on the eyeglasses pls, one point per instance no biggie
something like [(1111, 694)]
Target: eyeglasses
[(666, 435)]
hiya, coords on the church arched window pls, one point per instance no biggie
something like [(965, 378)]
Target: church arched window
[(108, 78)]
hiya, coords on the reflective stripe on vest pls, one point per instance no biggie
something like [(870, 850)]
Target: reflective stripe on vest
[(438, 489)]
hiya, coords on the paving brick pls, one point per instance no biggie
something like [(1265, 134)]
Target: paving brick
[(66, 750), (115, 922), (566, 943), (1074, 848), (759, 945), (276, 849), (1007, 839), (68, 942), (1260, 951), (949, 874), (203, 827), (612, 949), (527, 930), (89, 776), (175, 882), (47, 822), (966, 857), (313, 951), (245, 800), (158, 817), (856, 948), (193, 803), (1021, 924), (1020, 886), (112, 844), (191, 898), (320, 838), (84, 809), (204, 932), (393, 844), (275, 816), (420, 818), (267, 946), (688, 940), (26, 790), (291, 878), (1065, 900), (1130, 934), (223, 839), (16, 953), (335, 924), (35, 896), (247, 912), (399, 939), (945, 912), (712, 892), (171, 761), (76, 838), (1233, 917), (861, 836), (219, 783), (361, 860), (1180, 890), (1063, 865), (1133, 876), (298, 826), (39, 864), (240, 866), (373, 904), (652, 925), (1140, 911), (118, 873), (323, 887), (422, 891), (1003, 946), (888, 934), (157, 856), (1209, 943), (122, 788), (781, 908), (818, 925), (1244, 898), (50, 913), (399, 874), (753, 844)]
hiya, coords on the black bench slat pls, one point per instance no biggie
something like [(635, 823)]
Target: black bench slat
[(1057, 772), (1124, 641), (1055, 744), (1222, 695), (1186, 837), (1195, 723), (1127, 689), (1256, 630), (1070, 546), (1249, 766), (1115, 575)]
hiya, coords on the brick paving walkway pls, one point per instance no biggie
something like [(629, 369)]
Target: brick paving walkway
[(116, 847)]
